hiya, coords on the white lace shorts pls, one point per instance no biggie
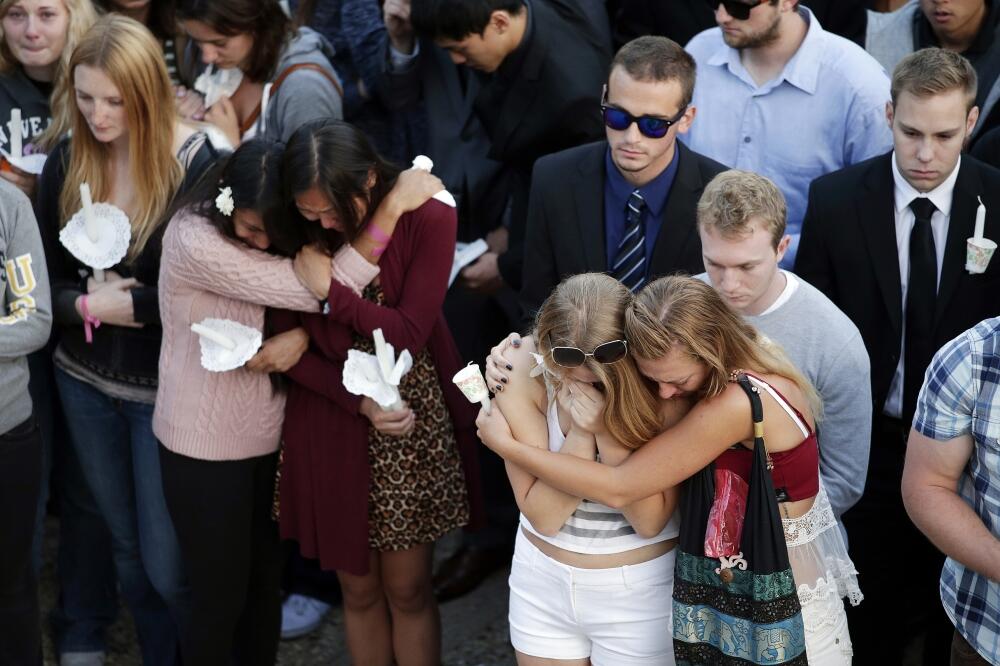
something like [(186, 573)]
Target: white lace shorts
[(617, 617)]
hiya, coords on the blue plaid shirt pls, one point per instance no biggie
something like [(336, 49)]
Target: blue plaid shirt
[(961, 395)]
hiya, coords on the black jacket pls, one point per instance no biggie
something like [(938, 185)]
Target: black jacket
[(848, 251), (565, 230), (124, 355)]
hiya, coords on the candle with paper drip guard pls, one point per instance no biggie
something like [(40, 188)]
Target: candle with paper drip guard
[(16, 150), (470, 380), (979, 250), (98, 234), (214, 336), (377, 376)]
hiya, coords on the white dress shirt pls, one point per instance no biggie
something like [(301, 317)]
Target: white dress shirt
[(941, 197)]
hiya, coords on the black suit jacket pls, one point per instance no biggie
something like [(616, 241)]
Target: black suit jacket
[(550, 103), (848, 251), (565, 231)]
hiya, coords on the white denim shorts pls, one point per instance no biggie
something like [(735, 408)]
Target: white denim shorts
[(619, 616)]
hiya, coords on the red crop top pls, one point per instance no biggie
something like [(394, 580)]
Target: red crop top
[(795, 472)]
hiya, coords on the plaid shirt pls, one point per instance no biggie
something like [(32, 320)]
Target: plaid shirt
[(961, 395)]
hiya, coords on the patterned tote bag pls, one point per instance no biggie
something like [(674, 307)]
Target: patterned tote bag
[(742, 609)]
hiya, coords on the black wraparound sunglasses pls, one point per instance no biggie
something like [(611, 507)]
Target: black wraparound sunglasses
[(736, 8), (607, 352)]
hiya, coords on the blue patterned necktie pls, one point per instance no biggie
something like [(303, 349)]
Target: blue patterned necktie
[(629, 265)]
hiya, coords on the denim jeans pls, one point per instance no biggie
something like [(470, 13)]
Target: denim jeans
[(117, 451), (88, 599)]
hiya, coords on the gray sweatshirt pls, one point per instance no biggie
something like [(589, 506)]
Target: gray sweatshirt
[(827, 348), (306, 94), (26, 313)]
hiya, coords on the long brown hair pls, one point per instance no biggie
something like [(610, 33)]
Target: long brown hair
[(684, 313), (587, 310), (81, 16), (131, 57)]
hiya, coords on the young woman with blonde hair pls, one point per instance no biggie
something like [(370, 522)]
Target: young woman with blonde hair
[(691, 345), (128, 145), (588, 583), (37, 38)]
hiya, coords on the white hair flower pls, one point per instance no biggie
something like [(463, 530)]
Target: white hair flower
[(224, 202)]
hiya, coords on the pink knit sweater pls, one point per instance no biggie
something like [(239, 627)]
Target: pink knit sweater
[(222, 415)]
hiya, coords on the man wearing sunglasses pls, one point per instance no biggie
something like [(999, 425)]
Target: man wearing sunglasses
[(780, 96), (624, 205)]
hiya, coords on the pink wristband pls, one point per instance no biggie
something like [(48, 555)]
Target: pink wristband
[(88, 320), (378, 235)]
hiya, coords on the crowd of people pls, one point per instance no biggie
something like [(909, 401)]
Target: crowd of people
[(733, 296)]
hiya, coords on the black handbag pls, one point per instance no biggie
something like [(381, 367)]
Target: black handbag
[(742, 609)]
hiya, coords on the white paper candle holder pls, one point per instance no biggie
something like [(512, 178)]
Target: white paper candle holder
[(226, 344)]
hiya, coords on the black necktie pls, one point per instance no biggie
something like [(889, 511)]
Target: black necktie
[(629, 265), (921, 297)]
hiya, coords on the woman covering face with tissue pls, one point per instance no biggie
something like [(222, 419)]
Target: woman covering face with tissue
[(219, 431), (367, 492)]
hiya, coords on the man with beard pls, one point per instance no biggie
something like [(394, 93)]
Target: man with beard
[(780, 96)]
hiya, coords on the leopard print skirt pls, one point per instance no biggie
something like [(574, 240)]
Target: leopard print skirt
[(417, 491)]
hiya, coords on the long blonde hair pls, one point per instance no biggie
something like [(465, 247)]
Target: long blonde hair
[(684, 313), (131, 57), (585, 311), (82, 15)]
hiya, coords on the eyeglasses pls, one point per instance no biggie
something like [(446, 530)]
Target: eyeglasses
[(605, 353), (649, 126), (736, 8)]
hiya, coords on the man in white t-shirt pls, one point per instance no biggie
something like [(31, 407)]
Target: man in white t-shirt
[(741, 221)]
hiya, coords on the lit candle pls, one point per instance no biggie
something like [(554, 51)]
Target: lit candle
[(214, 336), (980, 219), (16, 150)]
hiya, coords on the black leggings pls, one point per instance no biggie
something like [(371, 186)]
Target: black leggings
[(221, 511), (21, 471)]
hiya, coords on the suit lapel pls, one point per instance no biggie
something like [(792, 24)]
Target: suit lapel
[(961, 223), (588, 197), (678, 215), (877, 216)]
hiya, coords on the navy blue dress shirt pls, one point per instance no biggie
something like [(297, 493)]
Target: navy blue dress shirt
[(616, 193)]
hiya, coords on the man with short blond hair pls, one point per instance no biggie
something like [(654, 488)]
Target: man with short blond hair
[(885, 240), (741, 222)]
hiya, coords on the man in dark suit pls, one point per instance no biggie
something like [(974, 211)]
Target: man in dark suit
[(638, 189), (885, 240), (539, 64)]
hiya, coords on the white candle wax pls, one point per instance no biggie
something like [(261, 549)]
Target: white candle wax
[(16, 151), (980, 219), (89, 219), (214, 336), (385, 360)]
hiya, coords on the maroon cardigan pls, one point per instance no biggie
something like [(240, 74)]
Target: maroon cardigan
[(325, 474)]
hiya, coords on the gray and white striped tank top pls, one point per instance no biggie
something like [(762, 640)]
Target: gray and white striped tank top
[(594, 528)]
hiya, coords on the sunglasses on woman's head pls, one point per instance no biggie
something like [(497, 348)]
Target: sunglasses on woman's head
[(649, 126), (735, 8), (607, 352)]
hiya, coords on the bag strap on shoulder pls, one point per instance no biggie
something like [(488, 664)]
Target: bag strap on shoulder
[(756, 413)]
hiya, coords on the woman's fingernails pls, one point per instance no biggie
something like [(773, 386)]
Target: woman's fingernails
[(499, 388), (510, 367), (503, 379), (516, 343)]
